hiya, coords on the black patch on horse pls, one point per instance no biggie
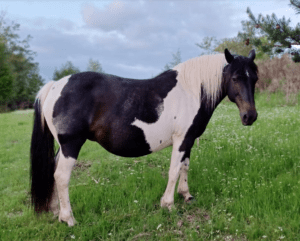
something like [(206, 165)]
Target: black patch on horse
[(102, 108), (199, 123)]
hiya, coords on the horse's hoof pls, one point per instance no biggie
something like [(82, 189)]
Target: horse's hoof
[(55, 213), (169, 206), (70, 221), (163, 204), (190, 200)]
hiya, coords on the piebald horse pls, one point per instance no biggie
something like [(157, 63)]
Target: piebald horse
[(132, 118)]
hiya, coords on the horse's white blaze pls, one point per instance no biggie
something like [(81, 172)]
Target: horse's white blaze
[(50, 101), (247, 73), (179, 110)]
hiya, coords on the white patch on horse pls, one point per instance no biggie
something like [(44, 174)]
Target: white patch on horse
[(159, 134), (52, 97), (62, 178), (41, 96), (247, 73)]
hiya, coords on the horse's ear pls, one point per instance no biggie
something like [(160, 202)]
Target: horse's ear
[(228, 56), (251, 55)]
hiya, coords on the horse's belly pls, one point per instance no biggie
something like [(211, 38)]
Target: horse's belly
[(137, 139)]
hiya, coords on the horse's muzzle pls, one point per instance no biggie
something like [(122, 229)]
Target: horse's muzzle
[(248, 117)]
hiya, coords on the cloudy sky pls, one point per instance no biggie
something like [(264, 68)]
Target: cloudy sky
[(133, 39)]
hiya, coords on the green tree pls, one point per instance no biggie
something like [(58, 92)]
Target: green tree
[(235, 46), (296, 5), (95, 66), (20, 59), (67, 69), (176, 60), (6, 76), (277, 32), (208, 44)]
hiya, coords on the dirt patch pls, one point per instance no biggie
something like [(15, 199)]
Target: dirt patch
[(82, 165), (14, 214), (140, 235)]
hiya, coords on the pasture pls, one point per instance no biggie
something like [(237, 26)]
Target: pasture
[(245, 181)]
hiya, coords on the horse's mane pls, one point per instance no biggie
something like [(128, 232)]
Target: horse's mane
[(204, 71)]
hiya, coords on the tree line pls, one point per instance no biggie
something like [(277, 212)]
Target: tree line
[(20, 79), (68, 68), (19, 74)]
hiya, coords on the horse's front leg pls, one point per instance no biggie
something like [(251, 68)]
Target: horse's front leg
[(167, 199), (183, 188)]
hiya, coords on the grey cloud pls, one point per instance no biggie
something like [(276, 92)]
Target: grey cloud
[(66, 25), (132, 39), (145, 24), (53, 23), (115, 16)]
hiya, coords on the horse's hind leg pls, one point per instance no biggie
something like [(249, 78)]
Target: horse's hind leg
[(183, 188), (67, 158), (62, 177), (54, 204)]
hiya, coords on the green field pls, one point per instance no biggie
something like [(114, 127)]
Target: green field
[(245, 181)]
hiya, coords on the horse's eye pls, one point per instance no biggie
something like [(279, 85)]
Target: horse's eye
[(234, 79)]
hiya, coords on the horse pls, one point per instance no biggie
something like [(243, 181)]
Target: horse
[(132, 118)]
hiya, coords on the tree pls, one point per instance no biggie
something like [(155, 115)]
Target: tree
[(239, 45), (6, 76), (20, 61), (279, 35), (67, 69), (235, 46), (176, 61), (208, 45), (95, 66), (296, 5)]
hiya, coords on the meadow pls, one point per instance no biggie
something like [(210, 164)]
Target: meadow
[(245, 181)]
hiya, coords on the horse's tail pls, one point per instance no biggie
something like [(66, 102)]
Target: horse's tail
[(42, 156)]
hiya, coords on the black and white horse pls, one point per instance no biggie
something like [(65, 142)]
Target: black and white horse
[(132, 118)]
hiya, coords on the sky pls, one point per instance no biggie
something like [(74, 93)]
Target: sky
[(133, 39)]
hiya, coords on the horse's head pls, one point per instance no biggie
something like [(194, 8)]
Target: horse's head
[(240, 77)]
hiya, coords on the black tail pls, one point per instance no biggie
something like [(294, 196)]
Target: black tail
[(42, 162)]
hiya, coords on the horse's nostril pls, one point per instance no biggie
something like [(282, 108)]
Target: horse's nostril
[(245, 117)]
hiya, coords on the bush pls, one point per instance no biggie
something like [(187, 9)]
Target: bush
[(279, 74)]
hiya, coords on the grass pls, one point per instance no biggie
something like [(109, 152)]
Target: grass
[(245, 181)]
